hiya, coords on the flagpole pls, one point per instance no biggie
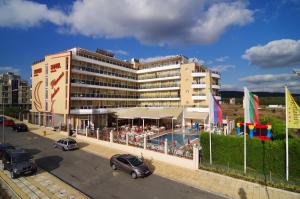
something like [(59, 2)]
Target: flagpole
[(209, 123), (245, 130), (286, 136)]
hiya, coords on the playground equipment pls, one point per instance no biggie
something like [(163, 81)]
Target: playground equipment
[(260, 131)]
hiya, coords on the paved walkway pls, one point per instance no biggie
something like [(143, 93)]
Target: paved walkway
[(209, 181), (42, 185)]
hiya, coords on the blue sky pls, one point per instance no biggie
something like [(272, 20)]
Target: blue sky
[(253, 43)]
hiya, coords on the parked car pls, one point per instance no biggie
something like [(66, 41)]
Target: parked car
[(130, 164), (18, 162), (4, 147), (20, 127), (2, 118), (8, 122), (66, 144)]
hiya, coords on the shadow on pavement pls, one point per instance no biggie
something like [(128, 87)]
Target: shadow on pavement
[(33, 151), (150, 164), (49, 163)]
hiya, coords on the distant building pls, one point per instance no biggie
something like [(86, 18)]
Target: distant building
[(15, 91)]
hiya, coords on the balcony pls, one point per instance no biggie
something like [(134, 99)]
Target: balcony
[(199, 96), (198, 73), (199, 85), (93, 71), (103, 84), (216, 87)]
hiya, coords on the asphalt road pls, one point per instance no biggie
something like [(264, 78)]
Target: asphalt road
[(93, 176)]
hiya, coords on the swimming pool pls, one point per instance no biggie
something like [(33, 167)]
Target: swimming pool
[(181, 139)]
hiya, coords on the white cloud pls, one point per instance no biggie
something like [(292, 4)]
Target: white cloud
[(272, 82), (120, 52), (278, 53), (149, 21), (25, 14), (223, 67), (267, 78), (222, 59), (4, 69)]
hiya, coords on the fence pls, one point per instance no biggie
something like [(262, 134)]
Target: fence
[(265, 159), (141, 140)]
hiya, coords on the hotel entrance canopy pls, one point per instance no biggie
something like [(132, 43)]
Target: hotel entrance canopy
[(147, 113)]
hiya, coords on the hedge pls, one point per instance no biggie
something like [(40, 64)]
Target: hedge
[(263, 158)]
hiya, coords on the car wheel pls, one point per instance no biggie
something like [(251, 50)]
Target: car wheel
[(114, 167), (63, 148), (133, 175), (13, 175)]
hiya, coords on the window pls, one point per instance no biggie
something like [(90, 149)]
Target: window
[(67, 63)]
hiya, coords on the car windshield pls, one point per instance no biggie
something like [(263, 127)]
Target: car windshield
[(72, 142), (20, 157), (135, 161)]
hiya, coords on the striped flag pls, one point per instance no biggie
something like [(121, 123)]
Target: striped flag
[(251, 104), (215, 111)]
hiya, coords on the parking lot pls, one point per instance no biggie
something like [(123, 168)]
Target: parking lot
[(92, 175)]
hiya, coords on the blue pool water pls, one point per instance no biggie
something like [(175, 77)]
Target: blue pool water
[(181, 139)]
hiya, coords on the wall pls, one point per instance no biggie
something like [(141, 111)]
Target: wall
[(38, 87), (58, 82), (186, 90)]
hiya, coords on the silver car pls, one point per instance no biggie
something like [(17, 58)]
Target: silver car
[(66, 144)]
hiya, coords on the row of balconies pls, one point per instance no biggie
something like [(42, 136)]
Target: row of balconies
[(126, 65), (153, 76), (97, 95), (96, 83), (94, 70)]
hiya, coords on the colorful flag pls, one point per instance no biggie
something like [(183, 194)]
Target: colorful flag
[(215, 111), (293, 111), (251, 105)]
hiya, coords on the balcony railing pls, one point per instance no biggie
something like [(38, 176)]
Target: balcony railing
[(96, 95), (96, 83), (94, 70), (158, 76)]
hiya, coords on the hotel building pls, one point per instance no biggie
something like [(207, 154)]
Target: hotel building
[(79, 87)]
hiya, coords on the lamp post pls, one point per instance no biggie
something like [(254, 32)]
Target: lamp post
[(3, 135)]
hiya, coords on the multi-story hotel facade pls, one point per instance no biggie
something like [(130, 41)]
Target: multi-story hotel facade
[(79, 87)]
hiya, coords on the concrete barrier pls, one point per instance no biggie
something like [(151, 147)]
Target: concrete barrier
[(148, 154)]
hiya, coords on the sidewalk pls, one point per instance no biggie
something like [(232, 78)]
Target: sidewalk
[(209, 181), (42, 185)]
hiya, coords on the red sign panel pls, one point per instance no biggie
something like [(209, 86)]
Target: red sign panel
[(37, 71), (54, 67)]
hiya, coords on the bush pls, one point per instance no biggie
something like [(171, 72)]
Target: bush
[(263, 158)]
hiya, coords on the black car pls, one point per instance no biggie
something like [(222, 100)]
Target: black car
[(18, 162), (20, 127), (4, 147), (130, 164)]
